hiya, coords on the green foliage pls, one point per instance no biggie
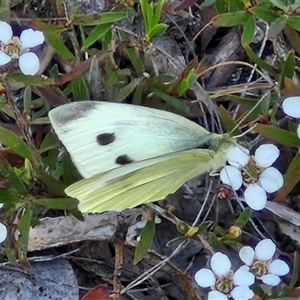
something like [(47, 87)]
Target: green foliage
[(88, 46), (151, 14), (145, 241)]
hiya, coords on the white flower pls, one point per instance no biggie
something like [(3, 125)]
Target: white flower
[(261, 263), (3, 232), (256, 173), (223, 281), (291, 106), (298, 131), (12, 47)]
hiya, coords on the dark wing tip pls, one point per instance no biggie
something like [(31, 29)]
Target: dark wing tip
[(71, 111)]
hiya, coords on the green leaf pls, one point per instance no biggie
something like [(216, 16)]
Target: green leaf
[(176, 242), (106, 41), (94, 77), (131, 14), (59, 203), (278, 135), (145, 242), (172, 101), (280, 4), (244, 101), (182, 227), (16, 144), (96, 34), (59, 46), (68, 170), (249, 31), (24, 227), (49, 142), (294, 22), (235, 6), (144, 8), (261, 63), (293, 37), (79, 89), (11, 253), (214, 242), (48, 28), (17, 186), (203, 227), (277, 26), (103, 18), (265, 14), (7, 196), (220, 231), (136, 60), (137, 95), (128, 89), (207, 3), (157, 13), (27, 100), (296, 271), (150, 11), (158, 30), (53, 185), (231, 19), (227, 121), (288, 69), (233, 244), (220, 6), (36, 80), (291, 178), (243, 218)]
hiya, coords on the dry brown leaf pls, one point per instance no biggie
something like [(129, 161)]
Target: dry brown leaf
[(99, 292)]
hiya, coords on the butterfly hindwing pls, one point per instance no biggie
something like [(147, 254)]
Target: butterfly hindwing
[(143, 181), (101, 136)]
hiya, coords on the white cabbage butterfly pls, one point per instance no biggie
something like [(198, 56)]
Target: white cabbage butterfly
[(129, 155)]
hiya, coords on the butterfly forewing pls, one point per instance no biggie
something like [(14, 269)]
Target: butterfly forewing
[(101, 136)]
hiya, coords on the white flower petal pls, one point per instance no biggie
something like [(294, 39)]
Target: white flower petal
[(255, 196), (244, 267), (266, 154), (298, 131), (216, 295), (271, 180), (246, 255), (30, 38), (279, 267), (270, 279), (4, 58), (241, 293), (29, 63), (238, 156), (3, 232), (243, 278), (291, 106), (5, 32), (205, 278), (265, 250), (232, 177), (220, 264), (1, 205)]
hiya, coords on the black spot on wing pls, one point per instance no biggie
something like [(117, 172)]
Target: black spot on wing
[(105, 138), (123, 159)]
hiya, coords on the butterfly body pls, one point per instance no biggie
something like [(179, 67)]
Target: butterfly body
[(129, 155)]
